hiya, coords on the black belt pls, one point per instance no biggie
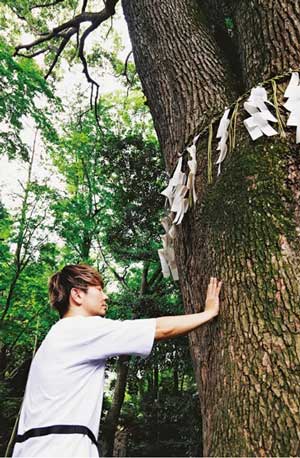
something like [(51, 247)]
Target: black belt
[(56, 429)]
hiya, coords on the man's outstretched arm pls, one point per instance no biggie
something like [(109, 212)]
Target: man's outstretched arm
[(172, 326)]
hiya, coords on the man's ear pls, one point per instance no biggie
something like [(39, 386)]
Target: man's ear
[(76, 295)]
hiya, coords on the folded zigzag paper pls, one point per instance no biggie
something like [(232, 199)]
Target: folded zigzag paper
[(192, 164), (176, 192), (222, 133), (292, 93), (257, 125), (167, 253)]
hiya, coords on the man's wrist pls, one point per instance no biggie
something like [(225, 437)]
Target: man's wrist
[(210, 314)]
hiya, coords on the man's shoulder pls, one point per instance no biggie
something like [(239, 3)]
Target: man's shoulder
[(74, 325)]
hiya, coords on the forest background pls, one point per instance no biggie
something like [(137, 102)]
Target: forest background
[(80, 189), (101, 203)]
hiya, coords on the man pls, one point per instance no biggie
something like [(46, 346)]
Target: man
[(63, 398)]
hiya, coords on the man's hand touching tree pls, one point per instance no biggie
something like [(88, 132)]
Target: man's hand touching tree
[(172, 326), (212, 303)]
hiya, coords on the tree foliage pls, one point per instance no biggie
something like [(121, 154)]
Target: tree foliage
[(21, 88)]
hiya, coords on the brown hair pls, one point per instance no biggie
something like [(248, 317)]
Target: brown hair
[(72, 276)]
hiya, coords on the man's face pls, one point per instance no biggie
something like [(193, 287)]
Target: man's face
[(94, 301)]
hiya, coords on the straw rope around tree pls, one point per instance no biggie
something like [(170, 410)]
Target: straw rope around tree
[(181, 189)]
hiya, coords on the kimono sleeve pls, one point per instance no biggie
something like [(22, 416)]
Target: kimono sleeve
[(106, 338)]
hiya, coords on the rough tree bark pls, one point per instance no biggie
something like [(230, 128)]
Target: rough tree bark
[(245, 227)]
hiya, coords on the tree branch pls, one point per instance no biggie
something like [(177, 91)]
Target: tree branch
[(125, 69), (66, 31), (95, 18), (61, 47), (110, 28), (120, 278), (36, 53), (46, 4), (84, 5), (56, 32), (156, 278)]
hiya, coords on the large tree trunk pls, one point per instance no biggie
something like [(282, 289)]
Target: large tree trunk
[(245, 226), (268, 37), (170, 45)]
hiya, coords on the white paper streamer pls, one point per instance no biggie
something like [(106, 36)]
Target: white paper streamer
[(257, 125), (172, 231), (292, 93), (168, 225), (176, 192), (223, 135), (192, 164), (167, 253), (180, 204), (177, 179), (164, 263)]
